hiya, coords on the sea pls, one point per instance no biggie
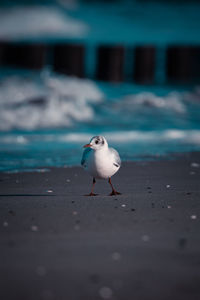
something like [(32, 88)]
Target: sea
[(46, 118)]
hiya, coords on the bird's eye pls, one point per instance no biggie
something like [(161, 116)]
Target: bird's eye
[(96, 142)]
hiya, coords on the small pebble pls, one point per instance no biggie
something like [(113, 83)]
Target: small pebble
[(169, 206), (34, 228), (5, 224), (105, 292), (193, 217), (68, 180), (49, 191), (192, 173), (43, 170), (116, 256), (168, 186), (123, 205), (195, 165), (145, 238)]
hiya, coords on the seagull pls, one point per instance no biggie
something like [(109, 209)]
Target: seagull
[(100, 161)]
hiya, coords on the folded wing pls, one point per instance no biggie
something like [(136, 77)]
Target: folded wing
[(116, 157), (85, 156)]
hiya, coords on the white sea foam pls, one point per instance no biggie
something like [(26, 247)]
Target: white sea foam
[(83, 89), (16, 90), (181, 136), (36, 21), (119, 137), (13, 139), (171, 102), (54, 101)]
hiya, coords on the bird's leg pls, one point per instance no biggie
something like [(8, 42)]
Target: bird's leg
[(93, 184), (114, 192)]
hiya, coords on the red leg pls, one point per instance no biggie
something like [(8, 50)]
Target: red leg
[(93, 184), (114, 192)]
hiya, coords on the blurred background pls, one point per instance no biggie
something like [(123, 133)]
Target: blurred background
[(72, 69)]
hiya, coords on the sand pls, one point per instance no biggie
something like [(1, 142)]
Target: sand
[(55, 243)]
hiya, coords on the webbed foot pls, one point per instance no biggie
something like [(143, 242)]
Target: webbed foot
[(91, 194), (114, 193)]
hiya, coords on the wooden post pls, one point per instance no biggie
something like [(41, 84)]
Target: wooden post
[(144, 64), (69, 59), (183, 63), (31, 56), (2, 52), (110, 63)]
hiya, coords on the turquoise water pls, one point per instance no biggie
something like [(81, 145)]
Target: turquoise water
[(45, 118), (45, 122)]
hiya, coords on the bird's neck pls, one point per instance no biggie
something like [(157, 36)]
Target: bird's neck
[(102, 149)]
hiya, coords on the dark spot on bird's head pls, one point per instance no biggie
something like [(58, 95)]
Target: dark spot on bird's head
[(97, 142)]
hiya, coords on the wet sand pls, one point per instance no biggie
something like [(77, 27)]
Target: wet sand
[(55, 243)]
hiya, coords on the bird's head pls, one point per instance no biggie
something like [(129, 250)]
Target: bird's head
[(97, 143)]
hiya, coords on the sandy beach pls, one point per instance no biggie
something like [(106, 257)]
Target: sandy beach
[(56, 243)]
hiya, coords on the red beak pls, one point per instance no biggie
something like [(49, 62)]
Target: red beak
[(87, 146)]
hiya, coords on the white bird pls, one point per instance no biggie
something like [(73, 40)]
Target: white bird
[(100, 161)]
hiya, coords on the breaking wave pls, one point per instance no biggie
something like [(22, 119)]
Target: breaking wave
[(171, 102), (53, 102)]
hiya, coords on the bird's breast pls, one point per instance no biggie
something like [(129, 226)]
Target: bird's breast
[(100, 165)]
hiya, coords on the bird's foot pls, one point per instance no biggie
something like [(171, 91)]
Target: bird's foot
[(91, 194), (114, 193)]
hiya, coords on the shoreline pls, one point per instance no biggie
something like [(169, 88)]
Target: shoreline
[(192, 155), (56, 243)]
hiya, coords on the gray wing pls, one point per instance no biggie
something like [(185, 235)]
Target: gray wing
[(116, 157), (85, 155)]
